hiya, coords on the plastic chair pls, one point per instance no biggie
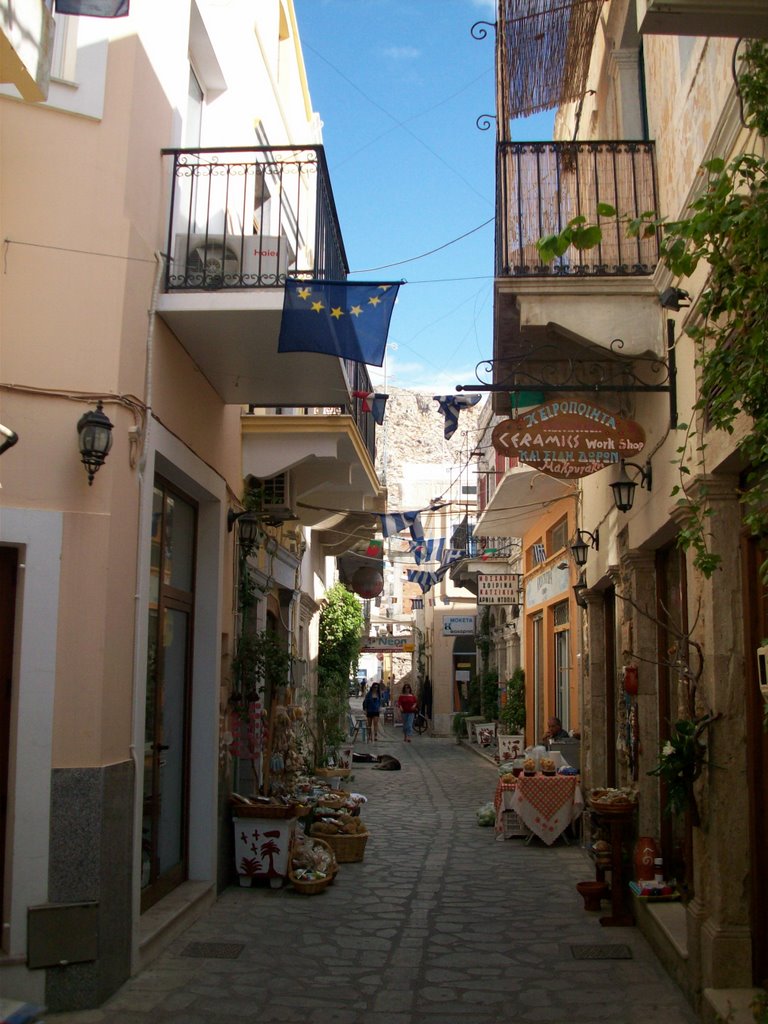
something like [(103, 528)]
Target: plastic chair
[(356, 726)]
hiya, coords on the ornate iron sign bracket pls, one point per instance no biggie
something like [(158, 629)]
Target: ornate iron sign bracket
[(544, 369)]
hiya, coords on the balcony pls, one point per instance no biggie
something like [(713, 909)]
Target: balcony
[(324, 457), (541, 186), (747, 18), (241, 221), (484, 555), (26, 44), (585, 298)]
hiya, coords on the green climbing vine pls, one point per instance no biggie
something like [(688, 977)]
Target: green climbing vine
[(727, 228)]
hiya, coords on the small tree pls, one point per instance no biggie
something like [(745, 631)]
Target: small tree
[(489, 695), (341, 623), (513, 712)]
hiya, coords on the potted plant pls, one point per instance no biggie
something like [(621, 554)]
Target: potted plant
[(512, 714), (681, 762)]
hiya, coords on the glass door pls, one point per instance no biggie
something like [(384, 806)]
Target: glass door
[(562, 664), (168, 700)]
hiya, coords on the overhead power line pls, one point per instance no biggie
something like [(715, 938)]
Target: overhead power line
[(412, 259)]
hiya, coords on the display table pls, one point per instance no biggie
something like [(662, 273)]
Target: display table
[(619, 824), (546, 804)]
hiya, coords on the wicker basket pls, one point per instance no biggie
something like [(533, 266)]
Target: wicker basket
[(264, 810), (316, 885), (348, 848), (312, 887), (335, 774), (615, 808)]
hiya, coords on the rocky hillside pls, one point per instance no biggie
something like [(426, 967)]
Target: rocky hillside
[(413, 432)]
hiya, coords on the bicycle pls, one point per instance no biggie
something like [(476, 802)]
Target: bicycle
[(420, 723)]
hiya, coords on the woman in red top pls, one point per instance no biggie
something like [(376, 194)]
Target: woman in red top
[(408, 706)]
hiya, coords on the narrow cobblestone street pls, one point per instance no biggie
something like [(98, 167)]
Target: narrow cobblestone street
[(439, 923)]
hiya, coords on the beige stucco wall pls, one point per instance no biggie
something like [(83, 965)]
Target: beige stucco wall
[(89, 260)]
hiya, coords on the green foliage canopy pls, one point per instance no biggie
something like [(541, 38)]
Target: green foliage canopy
[(341, 624)]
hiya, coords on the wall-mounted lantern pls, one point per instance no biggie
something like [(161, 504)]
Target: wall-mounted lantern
[(94, 432)]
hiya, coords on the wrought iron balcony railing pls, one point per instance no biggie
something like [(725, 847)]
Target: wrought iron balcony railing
[(357, 375), (541, 186), (248, 218)]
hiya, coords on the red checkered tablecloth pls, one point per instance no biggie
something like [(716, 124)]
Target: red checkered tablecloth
[(547, 804)]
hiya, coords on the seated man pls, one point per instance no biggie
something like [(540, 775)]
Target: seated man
[(555, 732)]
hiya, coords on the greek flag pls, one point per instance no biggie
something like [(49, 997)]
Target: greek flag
[(450, 406), (395, 522), (539, 553), (428, 550), (425, 579), (452, 555)]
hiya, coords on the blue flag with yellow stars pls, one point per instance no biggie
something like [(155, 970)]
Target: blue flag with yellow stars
[(348, 319), (94, 8)]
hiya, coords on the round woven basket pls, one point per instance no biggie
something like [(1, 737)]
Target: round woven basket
[(311, 887), (616, 807), (348, 848)]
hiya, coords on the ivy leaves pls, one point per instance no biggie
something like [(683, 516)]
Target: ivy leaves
[(577, 233)]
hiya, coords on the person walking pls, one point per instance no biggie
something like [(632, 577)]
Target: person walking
[(408, 705), (372, 709)]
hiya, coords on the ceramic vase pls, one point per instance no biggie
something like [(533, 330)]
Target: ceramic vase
[(645, 853)]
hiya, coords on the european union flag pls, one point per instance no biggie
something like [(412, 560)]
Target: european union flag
[(346, 319), (94, 8)]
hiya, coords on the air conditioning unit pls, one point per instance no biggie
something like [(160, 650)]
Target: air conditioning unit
[(206, 261), (277, 500), (265, 259)]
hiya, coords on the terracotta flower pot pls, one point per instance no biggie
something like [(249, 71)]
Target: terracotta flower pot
[(592, 893)]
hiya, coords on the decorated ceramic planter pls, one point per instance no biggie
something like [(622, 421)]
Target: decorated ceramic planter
[(262, 846)]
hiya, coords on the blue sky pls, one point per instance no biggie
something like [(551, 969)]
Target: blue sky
[(399, 86)]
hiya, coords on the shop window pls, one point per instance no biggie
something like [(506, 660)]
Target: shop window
[(64, 56), (558, 536)]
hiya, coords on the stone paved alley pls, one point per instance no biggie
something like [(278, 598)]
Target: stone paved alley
[(440, 924)]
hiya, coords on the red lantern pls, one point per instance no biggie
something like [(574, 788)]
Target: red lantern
[(630, 680), (367, 582)]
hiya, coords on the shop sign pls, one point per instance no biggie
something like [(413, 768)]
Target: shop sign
[(546, 586), (498, 588), (382, 644), (568, 438), (458, 625)]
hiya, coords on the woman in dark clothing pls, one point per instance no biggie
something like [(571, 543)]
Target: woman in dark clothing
[(372, 709)]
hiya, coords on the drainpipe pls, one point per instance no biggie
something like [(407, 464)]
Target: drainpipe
[(141, 441)]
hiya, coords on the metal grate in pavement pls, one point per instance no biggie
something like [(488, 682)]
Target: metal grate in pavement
[(612, 952), (215, 950)]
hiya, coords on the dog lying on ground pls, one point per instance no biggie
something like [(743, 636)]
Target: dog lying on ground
[(381, 762), (387, 763)]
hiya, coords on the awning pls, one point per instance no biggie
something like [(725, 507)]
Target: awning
[(545, 48), (519, 501)]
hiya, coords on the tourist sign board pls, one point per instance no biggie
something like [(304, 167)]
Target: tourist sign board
[(498, 588), (568, 438)]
